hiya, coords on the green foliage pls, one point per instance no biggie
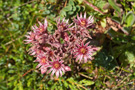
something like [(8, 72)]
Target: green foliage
[(130, 19), (71, 9), (86, 82), (113, 4), (112, 68)]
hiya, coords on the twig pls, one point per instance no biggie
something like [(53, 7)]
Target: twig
[(85, 76), (27, 72), (94, 7), (65, 4)]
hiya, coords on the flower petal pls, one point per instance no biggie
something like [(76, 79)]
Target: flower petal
[(57, 74)]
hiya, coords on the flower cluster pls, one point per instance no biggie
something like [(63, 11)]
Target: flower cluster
[(68, 41)]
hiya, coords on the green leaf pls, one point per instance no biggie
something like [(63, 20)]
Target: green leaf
[(116, 19), (123, 18), (130, 19), (78, 7), (127, 55), (86, 82), (103, 23), (3, 46), (101, 4), (63, 13), (70, 13), (74, 8), (15, 82), (67, 8), (61, 41), (20, 86), (133, 38), (113, 4), (71, 2), (105, 60), (29, 82), (11, 78), (70, 79), (54, 86), (71, 87), (65, 83), (79, 1), (112, 33), (130, 58)]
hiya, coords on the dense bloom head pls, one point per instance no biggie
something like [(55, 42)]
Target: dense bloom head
[(83, 21), (63, 44), (56, 67), (84, 52)]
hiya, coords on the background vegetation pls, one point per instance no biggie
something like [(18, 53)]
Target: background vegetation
[(113, 67)]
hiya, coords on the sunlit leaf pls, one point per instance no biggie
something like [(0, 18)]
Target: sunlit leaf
[(130, 19), (86, 82)]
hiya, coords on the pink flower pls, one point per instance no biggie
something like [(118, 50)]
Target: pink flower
[(81, 32), (35, 36), (34, 50), (30, 37), (42, 27), (57, 67), (63, 25), (83, 21), (44, 68), (42, 59), (84, 52)]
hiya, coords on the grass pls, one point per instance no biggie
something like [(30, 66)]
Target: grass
[(113, 67)]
